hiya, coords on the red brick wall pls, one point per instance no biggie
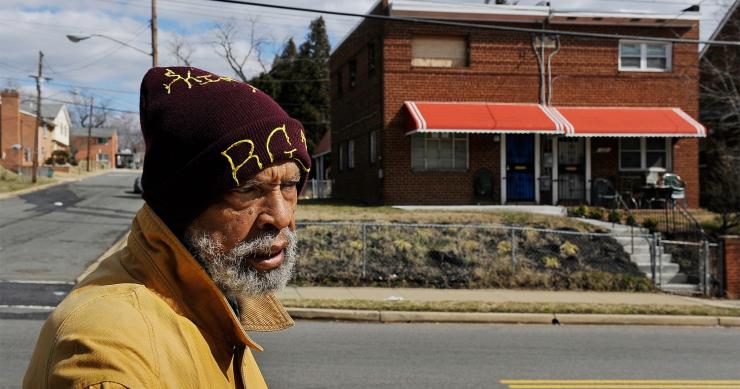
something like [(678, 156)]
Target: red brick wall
[(732, 266), (19, 127), (79, 143), (503, 68)]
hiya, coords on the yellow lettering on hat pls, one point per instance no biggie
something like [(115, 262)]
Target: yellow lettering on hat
[(235, 168), (199, 80), (287, 139)]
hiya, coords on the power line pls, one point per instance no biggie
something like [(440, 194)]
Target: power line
[(484, 26), (94, 106)]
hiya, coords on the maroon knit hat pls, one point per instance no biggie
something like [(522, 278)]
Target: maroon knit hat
[(206, 134)]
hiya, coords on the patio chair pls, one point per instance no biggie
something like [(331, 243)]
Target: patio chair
[(603, 193), (678, 188)]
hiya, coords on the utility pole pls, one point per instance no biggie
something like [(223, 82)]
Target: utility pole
[(39, 121), (154, 33), (89, 131)]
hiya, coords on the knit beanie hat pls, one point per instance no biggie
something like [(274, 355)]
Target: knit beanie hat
[(206, 134)]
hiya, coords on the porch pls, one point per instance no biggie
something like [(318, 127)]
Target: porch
[(553, 156)]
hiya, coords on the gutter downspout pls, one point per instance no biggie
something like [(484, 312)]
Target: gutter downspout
[(540, 65), (549, 70)]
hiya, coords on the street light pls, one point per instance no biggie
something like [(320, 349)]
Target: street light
[(77, 38)]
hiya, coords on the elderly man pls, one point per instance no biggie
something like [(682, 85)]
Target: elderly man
[(223, 168)]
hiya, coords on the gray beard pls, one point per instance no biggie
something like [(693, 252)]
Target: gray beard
[(231, 271)]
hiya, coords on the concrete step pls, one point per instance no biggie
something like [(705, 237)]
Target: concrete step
[(638, 249), (643, 259), (678, 278), (684, 289), (669, 269), (627, 240)]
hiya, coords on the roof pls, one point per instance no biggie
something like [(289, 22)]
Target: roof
[(48, 111), (728, 15), (497, 118), (538, 13), (101, 132), (324, 146)]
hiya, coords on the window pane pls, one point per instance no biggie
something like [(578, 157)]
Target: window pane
[(631, 49), (656, 50), (655, 144), (432, 149), (461, 155), (440, 51), (629, 144), (631, 62), (657, 63), (655, 159), (630, 160), (417, 151)]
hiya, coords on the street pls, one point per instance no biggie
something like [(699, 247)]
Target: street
[(356, 355), (55, 233)]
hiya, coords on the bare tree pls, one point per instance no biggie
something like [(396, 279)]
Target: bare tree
[(129, 131), (81, 110), (182, 50), (226, 38)]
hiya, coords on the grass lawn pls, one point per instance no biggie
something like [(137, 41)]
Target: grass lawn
[(323, 210), (9, 181), (513, 307)]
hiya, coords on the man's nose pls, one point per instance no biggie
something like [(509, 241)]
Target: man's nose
[(277, 212)]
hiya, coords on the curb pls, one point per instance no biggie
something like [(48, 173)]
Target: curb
[(120, 243), (21, 192), (509, 318)]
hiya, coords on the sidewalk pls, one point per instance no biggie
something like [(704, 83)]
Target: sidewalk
[(298, 293), (59, 179), (407, 305)]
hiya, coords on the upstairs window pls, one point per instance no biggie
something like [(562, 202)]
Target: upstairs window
[(370, 59), (642, 56), (352, 73), (439, 51)]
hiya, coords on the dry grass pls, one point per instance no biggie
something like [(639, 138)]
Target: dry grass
[(11, 182), (336, 211), (513, 307)]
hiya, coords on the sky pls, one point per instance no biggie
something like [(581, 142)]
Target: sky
[(112, 72)]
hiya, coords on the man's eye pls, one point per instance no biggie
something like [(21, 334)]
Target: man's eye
[(246, 190), (289, 185)]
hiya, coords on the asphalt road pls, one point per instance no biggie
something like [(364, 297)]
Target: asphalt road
[(53, 234), (356, 355)]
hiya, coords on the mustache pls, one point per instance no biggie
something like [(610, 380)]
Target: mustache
[(264, 243)]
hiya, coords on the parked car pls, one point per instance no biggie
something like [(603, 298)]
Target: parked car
[(137, 185)]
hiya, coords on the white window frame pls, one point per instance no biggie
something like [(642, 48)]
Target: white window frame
[(373, 146), (440, 62), (454, 140), (643, 56), (351, 154), (643, 156)]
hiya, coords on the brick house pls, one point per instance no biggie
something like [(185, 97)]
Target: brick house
[(103, 146), (17, 132), (430, 114)]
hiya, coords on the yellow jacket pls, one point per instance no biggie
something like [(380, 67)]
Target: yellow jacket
[(150, 317)]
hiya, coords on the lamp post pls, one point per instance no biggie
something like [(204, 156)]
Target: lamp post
[(78, 38)]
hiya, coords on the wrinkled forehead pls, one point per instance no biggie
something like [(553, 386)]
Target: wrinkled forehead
[(277, 173)]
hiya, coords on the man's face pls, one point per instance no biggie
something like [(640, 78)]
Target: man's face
[(246, 240)]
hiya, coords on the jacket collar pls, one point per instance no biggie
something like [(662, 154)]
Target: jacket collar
[(164, 265)]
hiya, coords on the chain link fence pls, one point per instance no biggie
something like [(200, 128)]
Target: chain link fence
[(463, 256)]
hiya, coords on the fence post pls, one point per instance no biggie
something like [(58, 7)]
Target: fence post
[(659, 251), (364, 248), (513, 250), (706, 275)]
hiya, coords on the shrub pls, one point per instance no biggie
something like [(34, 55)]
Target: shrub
[(650, 224), (503, 247), (580, 211), (568, 249), (60, 157), (614, 216), (550, 262), (596, 213), (631, 221)]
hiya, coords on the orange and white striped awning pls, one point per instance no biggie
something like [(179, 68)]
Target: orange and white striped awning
[(493, 118)]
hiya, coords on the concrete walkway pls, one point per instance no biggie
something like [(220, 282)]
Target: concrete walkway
[(497, 295)]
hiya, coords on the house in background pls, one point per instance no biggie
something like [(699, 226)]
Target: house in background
[(17, 132), (103, 147), (429, 114), (57, 114)]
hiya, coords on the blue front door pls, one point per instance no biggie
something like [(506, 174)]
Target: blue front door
[(520, 167)]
